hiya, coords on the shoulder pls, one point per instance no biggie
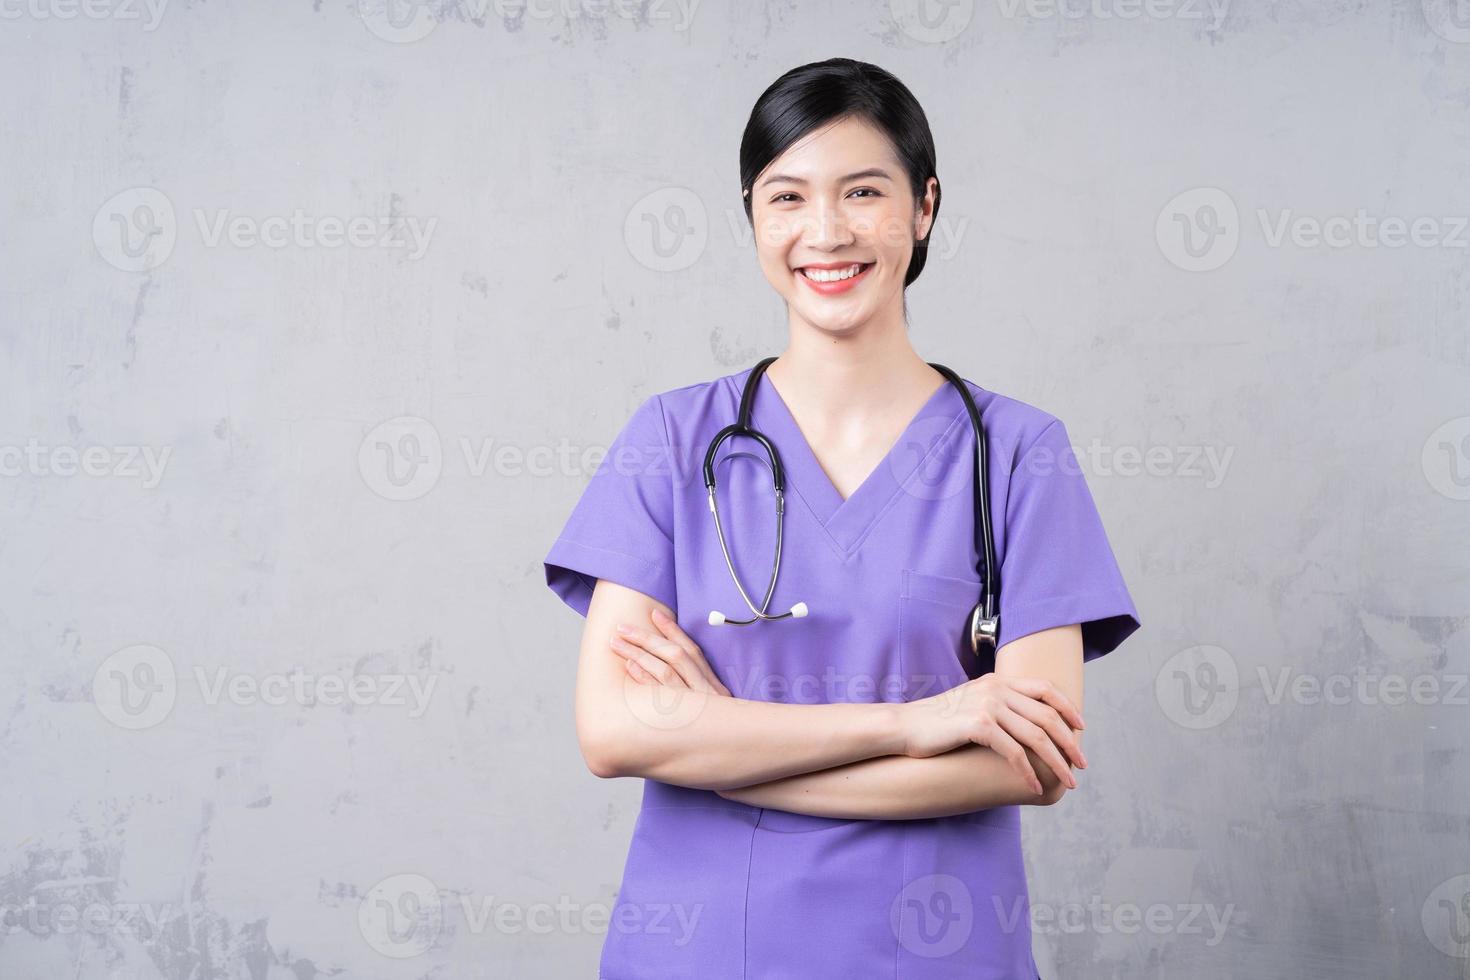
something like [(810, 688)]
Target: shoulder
[(688, 411), (1013, 426), (701, 393)]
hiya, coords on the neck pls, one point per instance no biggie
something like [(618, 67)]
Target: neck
[(851, 376)]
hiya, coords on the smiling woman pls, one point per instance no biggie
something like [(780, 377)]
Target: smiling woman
[(835, 794)]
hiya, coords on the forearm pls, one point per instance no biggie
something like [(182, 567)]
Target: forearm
[(714, 742), (963, 780)]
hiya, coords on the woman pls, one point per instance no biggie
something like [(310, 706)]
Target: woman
[(836, 794)]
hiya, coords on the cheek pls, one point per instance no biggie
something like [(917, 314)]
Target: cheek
[(890, 235), (773, 251), (775, 236)]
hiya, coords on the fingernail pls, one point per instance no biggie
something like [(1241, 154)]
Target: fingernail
[(624, 629), (1084, 762), (659, 613)]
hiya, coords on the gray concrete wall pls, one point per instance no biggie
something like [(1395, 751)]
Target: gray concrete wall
[(312, 321)]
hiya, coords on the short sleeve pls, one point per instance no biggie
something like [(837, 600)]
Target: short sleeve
[(622, 528), (1058, 567)]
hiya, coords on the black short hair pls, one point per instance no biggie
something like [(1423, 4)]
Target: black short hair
[(823, 92)]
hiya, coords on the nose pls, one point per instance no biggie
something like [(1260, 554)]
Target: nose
[(826, 227)]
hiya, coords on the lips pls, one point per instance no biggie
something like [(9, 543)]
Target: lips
[(834, 277), (833, 271)]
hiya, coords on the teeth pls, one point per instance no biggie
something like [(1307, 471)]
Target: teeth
[(832, 275)]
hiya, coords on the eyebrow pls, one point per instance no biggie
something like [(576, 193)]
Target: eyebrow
[(857, 175)]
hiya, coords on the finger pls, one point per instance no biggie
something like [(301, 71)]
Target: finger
[(660, 670), (1044, 690), (623, 648), (996, 737), (1062, 735), (670, 653), (656, 667), (1034, 737), (636, 672), (669, 627)]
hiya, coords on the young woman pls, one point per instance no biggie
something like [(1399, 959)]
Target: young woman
[(834, 794)]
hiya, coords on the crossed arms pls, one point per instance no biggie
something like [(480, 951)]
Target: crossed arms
[(648, 705)]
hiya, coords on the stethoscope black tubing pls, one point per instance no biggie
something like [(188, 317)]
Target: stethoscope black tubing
[(984, 538)]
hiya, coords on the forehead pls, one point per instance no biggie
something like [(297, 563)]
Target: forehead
[(836, 148)]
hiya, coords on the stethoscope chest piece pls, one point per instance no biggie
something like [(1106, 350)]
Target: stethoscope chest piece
[(984, 631)]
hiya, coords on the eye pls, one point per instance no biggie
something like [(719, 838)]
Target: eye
[(867, 190), (780, 198)]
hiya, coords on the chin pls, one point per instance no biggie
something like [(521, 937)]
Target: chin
[(826, 322)]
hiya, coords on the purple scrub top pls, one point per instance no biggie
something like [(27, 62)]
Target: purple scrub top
[(718, 890)]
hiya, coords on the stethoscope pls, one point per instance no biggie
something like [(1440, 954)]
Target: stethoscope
[(984, 621)]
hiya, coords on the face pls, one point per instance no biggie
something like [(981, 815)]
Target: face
[(835, 225)]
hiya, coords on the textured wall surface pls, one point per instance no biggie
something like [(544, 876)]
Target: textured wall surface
[(314, 317)]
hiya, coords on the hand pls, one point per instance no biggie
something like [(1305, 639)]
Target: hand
[(1006, 713), (665, 655)]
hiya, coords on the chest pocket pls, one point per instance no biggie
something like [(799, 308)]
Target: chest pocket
[(933, 633)]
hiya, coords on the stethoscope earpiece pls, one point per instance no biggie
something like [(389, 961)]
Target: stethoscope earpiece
[(717, 618)]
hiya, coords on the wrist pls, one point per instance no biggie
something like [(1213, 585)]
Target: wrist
[(892, 730)]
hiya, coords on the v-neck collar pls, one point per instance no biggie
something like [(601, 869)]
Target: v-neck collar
[(847, 522)]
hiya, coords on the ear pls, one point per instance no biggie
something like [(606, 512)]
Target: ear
[(924, 213)]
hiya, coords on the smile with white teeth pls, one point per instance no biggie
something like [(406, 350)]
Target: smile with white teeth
[(833, 275)]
